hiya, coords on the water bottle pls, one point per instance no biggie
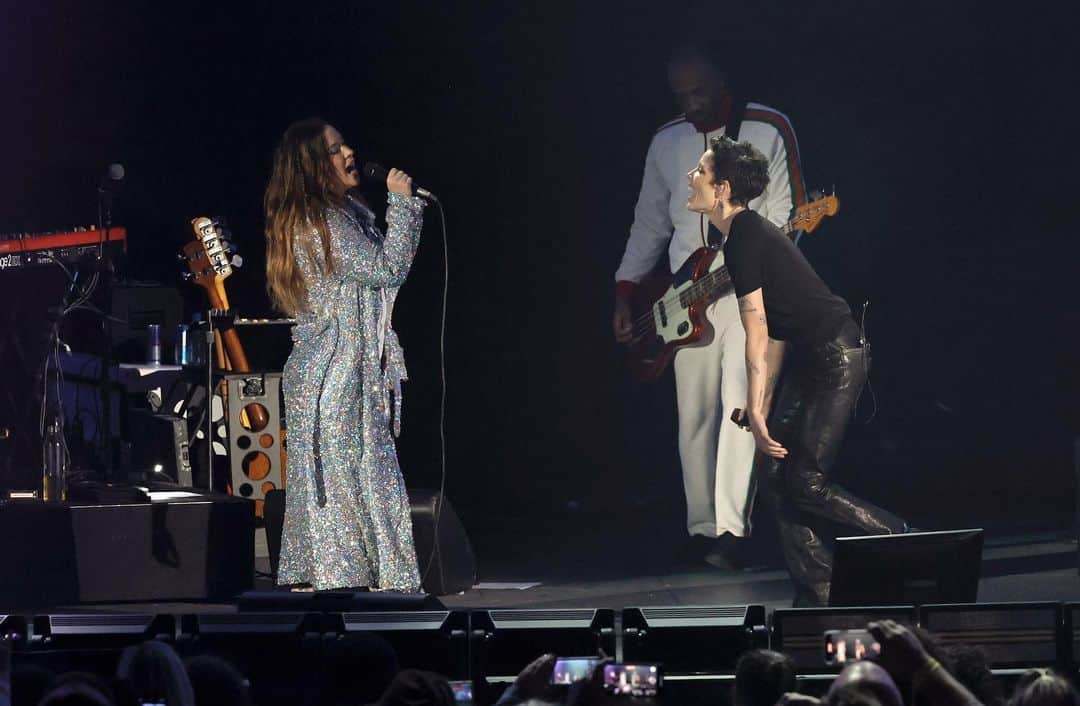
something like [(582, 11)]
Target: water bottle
[(54, 480), (182, 348)]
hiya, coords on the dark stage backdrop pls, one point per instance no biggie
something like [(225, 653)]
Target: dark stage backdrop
[(942, 127)]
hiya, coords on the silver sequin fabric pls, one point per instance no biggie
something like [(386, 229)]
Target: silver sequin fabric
[(347, 518)]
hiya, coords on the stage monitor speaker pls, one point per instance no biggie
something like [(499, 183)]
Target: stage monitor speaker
[(900, 569), (1012, 635), (194, 548), (443, 553), (673, 636), (37, 545), (502, 642), (800, 632)]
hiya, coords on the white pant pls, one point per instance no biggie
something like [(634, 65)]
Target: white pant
[(717, 456)]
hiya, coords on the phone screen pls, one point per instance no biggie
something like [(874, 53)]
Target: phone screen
[(633, 679), (571, 669), (462, 691), (843, 646)]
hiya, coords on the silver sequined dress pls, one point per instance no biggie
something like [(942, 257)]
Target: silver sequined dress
[(347, 515)]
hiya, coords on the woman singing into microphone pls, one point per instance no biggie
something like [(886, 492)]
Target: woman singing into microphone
[(347, 519)]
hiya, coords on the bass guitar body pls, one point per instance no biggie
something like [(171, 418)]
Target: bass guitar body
[(669, 314)]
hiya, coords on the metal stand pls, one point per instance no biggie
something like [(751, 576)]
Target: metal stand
[(255, 454)]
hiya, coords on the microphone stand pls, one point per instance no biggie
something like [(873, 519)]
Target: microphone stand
[(105, 272)]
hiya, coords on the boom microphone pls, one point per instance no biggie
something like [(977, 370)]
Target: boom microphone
[(377, 172)]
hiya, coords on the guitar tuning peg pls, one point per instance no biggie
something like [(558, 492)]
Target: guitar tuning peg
[(187, 276), (236, 261)]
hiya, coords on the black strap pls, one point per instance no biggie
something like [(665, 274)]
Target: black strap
[(734, 123)]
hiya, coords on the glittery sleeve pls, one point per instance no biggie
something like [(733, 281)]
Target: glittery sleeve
[(364, 254)]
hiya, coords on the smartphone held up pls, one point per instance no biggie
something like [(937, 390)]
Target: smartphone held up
[(842, 646), (568, 670), (633, 679), (463, 692)]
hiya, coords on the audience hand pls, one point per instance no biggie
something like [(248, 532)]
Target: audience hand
[(591, 689), (534, 682), (901, 652)]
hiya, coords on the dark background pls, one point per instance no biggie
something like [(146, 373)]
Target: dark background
[(942, 127)]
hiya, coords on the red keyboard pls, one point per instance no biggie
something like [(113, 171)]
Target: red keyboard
[(30, 249)]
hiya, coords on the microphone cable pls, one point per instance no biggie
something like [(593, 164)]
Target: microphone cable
[(867, 363), (440, 499)]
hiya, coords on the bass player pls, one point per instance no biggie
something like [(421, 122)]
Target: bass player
[(717, 457)]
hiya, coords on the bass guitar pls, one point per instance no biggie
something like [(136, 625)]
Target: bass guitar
[(669, 313), (210, 262)]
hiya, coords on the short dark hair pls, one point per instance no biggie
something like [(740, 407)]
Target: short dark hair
[(216, 681), (970, 668), (762, 677), (740, 164)]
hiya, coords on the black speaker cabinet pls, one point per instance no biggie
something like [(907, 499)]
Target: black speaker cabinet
[(443, 552)]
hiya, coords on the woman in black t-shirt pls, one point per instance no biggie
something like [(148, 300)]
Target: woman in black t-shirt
[(784, 304)]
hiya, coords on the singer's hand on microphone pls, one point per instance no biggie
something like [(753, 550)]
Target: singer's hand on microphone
[(398, 182)]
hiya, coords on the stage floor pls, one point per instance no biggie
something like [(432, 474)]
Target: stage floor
[(1028, 568), (527, 569)]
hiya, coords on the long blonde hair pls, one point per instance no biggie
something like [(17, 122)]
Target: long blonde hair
[(302, 187)]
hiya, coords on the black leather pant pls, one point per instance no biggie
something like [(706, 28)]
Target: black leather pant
[(814, 404)]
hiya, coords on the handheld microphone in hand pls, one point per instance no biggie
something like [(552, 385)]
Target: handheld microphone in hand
[(377, 172)]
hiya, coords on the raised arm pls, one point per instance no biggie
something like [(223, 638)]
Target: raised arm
[(373, 263), (755, 322)]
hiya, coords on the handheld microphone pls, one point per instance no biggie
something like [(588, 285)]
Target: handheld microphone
[(112, 177), (377, 172), (107, 190)]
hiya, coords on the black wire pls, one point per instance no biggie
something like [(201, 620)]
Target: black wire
[(867, 363), (440, 498)]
